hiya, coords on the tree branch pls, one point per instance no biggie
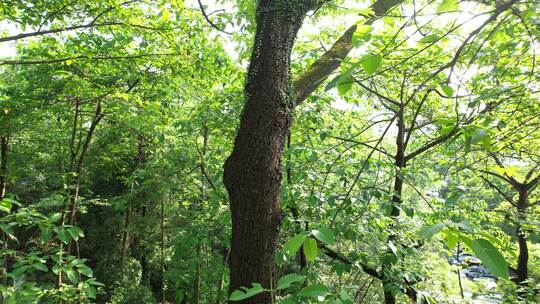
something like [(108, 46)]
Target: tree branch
[(506, 197), (376, 93), (212, 24), (338, 256), (331, 59), (59, 60), (497, 175), (432, 144), (70, 28)]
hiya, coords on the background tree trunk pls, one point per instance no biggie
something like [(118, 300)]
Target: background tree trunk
[(4, 146), (253, 172), (523, 257)]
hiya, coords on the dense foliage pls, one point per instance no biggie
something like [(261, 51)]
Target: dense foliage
[(412, 160)]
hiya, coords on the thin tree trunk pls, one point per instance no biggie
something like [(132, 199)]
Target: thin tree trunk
[(126, 234), (144, 263), (252, 173), (222, 279), (4, 146), (162, 258), (523, 257), (98, 116), (399, 160), (140, 159), (197, 280), (459, 271), (73, 152)]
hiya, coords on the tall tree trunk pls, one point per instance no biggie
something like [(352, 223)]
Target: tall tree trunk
[(145, 276), (399, 162), (140, 160), (77, 167), (162, 248), (197, 280), (4, 146), (253, 172), (126, 234)]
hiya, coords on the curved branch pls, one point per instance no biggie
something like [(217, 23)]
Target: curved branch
[(212, 24)]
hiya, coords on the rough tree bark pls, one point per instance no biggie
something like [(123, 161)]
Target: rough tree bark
[(253, 171)]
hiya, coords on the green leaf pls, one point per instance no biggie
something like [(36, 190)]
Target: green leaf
[(290, 300), (362, 34), (365, 12), (344, 87), (465, 225), (465, 240), (45, 233), (430, 38), (5, 205), (72, 275), (316, 290), (79, 231), (481, 136), (294, 244), (363, 29), (332, 83), (447, 6), (62, 234), (55, 217), (91, 292), (344, 83), (85, 270), (245, 293), (429, 231), (310, 249), (288, 280), (324, 235), (93, 282), (451, 240), (370, 63), (491, 258), (20, 270), (40, 266), (448, 91), (73, 232), (453, 199)]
